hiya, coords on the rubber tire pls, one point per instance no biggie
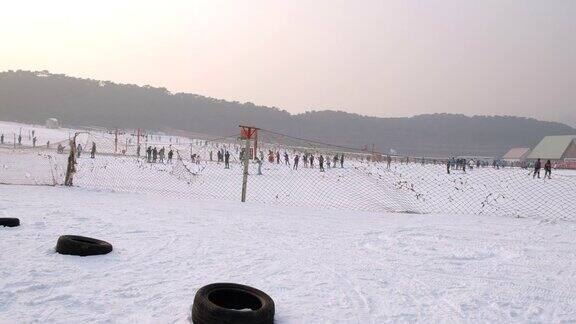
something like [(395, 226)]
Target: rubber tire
[(204, 311), (9, 222), (82, 246)]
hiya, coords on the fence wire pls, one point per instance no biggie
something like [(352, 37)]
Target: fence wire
[(288, 172)]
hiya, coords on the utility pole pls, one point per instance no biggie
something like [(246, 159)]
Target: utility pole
[(246, 132)]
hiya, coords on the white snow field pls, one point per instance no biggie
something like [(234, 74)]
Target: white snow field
[(318, 266), (481, 246)]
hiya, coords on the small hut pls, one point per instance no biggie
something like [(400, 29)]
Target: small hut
[(556, 148), (517, 154), (52, 123)]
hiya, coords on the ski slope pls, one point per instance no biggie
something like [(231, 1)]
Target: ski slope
[(318, 266)]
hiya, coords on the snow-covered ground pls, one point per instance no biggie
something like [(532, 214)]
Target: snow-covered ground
[(494, 246), (318, 266), (12, 130)]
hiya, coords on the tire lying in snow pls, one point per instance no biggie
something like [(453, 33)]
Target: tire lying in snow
[(9, 222), (82, 246), (227, 303)]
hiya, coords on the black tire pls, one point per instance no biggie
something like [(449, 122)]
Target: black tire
[(9, 222), (228, 303), (82, 246)]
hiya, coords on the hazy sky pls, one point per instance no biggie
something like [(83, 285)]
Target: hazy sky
[(383, 58)]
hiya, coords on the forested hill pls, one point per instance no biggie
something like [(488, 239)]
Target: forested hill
[(35, 96)]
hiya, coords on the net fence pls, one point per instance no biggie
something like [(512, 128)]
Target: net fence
[(375, 182), (287, 172)]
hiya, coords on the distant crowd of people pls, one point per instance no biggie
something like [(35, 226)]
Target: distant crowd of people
[(275, 157), (307, 159), (323, 162), (461, 164), (155, 155)]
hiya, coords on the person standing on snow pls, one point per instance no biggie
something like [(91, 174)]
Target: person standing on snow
[(270, 156), (170, 155), (79, 150), (296, 158), (259, 166), (311, 161), (321, 163), (227, 160), (537, 167), (342, 161), (161, 153), (548, 169), (149, 153), (286, 159), (93, 151)]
